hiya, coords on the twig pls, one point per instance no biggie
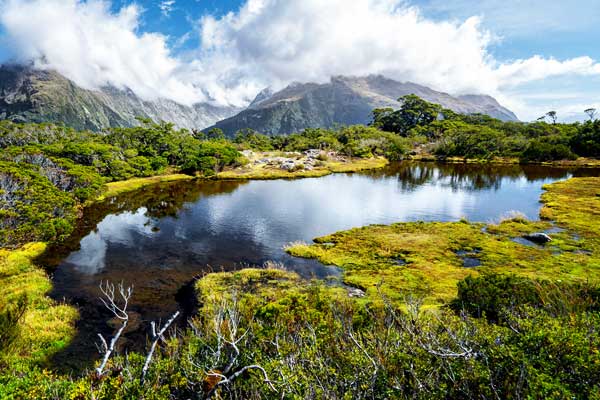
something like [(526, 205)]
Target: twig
[(155, 338)]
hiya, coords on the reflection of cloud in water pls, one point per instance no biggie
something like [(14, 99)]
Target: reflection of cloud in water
[(121, 227), (90, 258), (315, 206)]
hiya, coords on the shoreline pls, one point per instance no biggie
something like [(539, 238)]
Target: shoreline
[(428, 258), (581, 162), (357, 165), (59, 319)]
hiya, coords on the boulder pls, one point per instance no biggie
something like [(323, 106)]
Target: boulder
[(538, 237), (355, 292), (312, 153), (288, 165)]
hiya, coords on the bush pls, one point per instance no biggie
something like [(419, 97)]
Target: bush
[(538, 150), (488, 295)]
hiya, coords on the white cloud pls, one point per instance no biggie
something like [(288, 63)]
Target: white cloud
[(537, 68), (269, 43), (89, 44), (166, 7)]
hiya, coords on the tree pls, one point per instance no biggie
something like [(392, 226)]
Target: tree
[(552, 116), (414, 112), (215, 134), (591, 112)]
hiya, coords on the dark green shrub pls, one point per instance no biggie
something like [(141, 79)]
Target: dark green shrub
[(488, 295)]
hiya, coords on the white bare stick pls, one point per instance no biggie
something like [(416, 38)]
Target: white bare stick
[(120, 312), (155, 338)]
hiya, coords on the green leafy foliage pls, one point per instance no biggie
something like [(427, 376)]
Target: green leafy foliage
[(413, 112), (586, 142), (48, 171), (312, 341)]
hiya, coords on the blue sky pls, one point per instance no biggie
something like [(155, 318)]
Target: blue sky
[(274, 42), (552, 28)]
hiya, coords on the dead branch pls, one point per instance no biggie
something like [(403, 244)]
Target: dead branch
[(156, 336), (109, 300)]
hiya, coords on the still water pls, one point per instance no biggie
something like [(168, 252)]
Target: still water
[(160, 238)]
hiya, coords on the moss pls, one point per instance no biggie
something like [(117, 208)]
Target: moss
[(421, 258), (130, 185), (574, 204), (47, 326)]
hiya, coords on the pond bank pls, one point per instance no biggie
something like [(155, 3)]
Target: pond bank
[(427, 258), (581, 162), (468, 240)]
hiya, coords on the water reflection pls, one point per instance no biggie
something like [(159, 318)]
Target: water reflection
[(159, 238), (470, 177)]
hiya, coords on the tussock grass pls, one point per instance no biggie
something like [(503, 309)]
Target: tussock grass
[(265, 172), (47, 326)]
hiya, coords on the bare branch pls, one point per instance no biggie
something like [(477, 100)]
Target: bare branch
[(120, 312), (155, 338)]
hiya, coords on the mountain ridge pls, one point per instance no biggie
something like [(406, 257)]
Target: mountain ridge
[(345, 101), (31, 95)]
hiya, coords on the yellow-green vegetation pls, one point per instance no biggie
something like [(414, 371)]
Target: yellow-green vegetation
[(45, 326), (580, 162), (271, 285), (426, 258), (574, 204), (130, 185), (264, 171)]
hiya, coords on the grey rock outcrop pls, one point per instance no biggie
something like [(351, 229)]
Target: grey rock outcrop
[(538, 238)]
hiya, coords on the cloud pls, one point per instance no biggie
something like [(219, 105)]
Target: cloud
[(537, 68), (94, 47), (269, 43), (166, 7)]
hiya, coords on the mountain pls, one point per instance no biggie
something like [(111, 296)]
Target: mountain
[(29, 95), (344, 101)]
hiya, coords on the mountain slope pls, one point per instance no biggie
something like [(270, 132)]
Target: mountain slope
[(345, 101), (30, 95)]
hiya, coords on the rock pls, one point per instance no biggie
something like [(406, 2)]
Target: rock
[(538, 237), (288, 165), (312, 153), (355, 292)]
